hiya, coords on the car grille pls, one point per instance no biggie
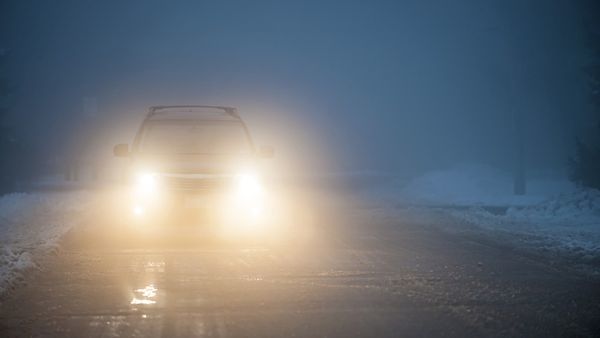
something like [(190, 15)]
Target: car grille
[(195, 184)]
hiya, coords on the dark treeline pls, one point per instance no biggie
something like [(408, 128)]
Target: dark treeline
[(585, 165)]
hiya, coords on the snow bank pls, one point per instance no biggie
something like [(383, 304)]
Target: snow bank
[(31, 225), (553, 216), (581, 207), (567, 223), (474, 184)]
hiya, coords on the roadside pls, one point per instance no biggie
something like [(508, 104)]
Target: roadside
[(31, 226), (555, 218), (565, 226)]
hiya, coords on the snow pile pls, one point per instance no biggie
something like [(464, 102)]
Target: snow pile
[(31, 225), (568, 223), (472, 184), (581, 207), (553, 216)]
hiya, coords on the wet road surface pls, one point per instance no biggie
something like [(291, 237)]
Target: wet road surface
[(359, 273)]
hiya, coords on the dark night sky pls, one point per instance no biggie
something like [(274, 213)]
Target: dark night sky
[(389, 85)]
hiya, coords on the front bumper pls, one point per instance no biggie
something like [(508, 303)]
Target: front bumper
[(172, 208)]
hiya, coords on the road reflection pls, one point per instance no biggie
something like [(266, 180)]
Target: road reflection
[(190, 290), (144, 296)]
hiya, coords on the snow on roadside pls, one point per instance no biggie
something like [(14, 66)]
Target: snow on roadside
[(554, 216), (30, 225), (477, 184), (568, 223)]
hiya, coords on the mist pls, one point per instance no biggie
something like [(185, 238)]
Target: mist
[(398, 86), (332, 168)]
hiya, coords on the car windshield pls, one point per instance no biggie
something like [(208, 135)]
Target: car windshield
[(194, 138)]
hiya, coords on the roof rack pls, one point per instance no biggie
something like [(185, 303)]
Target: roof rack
[(231, 111)]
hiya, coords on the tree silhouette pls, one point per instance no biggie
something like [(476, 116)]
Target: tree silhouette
[(585, 165)]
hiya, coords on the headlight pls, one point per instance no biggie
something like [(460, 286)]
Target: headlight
[(146, 183), (248, 187), (249, 196)]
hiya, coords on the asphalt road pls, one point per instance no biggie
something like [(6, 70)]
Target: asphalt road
[(360, 272)]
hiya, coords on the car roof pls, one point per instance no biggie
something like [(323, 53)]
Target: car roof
[(193, 112)]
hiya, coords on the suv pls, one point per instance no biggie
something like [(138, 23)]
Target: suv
[(194, 163)]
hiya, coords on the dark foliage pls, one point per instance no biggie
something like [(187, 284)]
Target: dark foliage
[(585, 165)]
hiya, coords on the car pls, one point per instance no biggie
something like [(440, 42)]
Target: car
[(196, 165)]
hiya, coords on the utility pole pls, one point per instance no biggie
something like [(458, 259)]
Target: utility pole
[(509, 47), (519, 182), (515, 69)]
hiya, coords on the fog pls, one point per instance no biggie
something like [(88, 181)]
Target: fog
[(415, 168), (395, 86)]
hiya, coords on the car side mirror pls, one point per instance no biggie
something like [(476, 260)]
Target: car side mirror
[(266, 151), (121, 150)]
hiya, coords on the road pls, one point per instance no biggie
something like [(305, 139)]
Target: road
[(361, 272)]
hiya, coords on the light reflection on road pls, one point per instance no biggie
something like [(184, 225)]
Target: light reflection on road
[(145, 291), (144, 296)]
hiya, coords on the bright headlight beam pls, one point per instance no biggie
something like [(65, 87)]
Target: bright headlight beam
[(146, 183), (248, 187), (138, 210)]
